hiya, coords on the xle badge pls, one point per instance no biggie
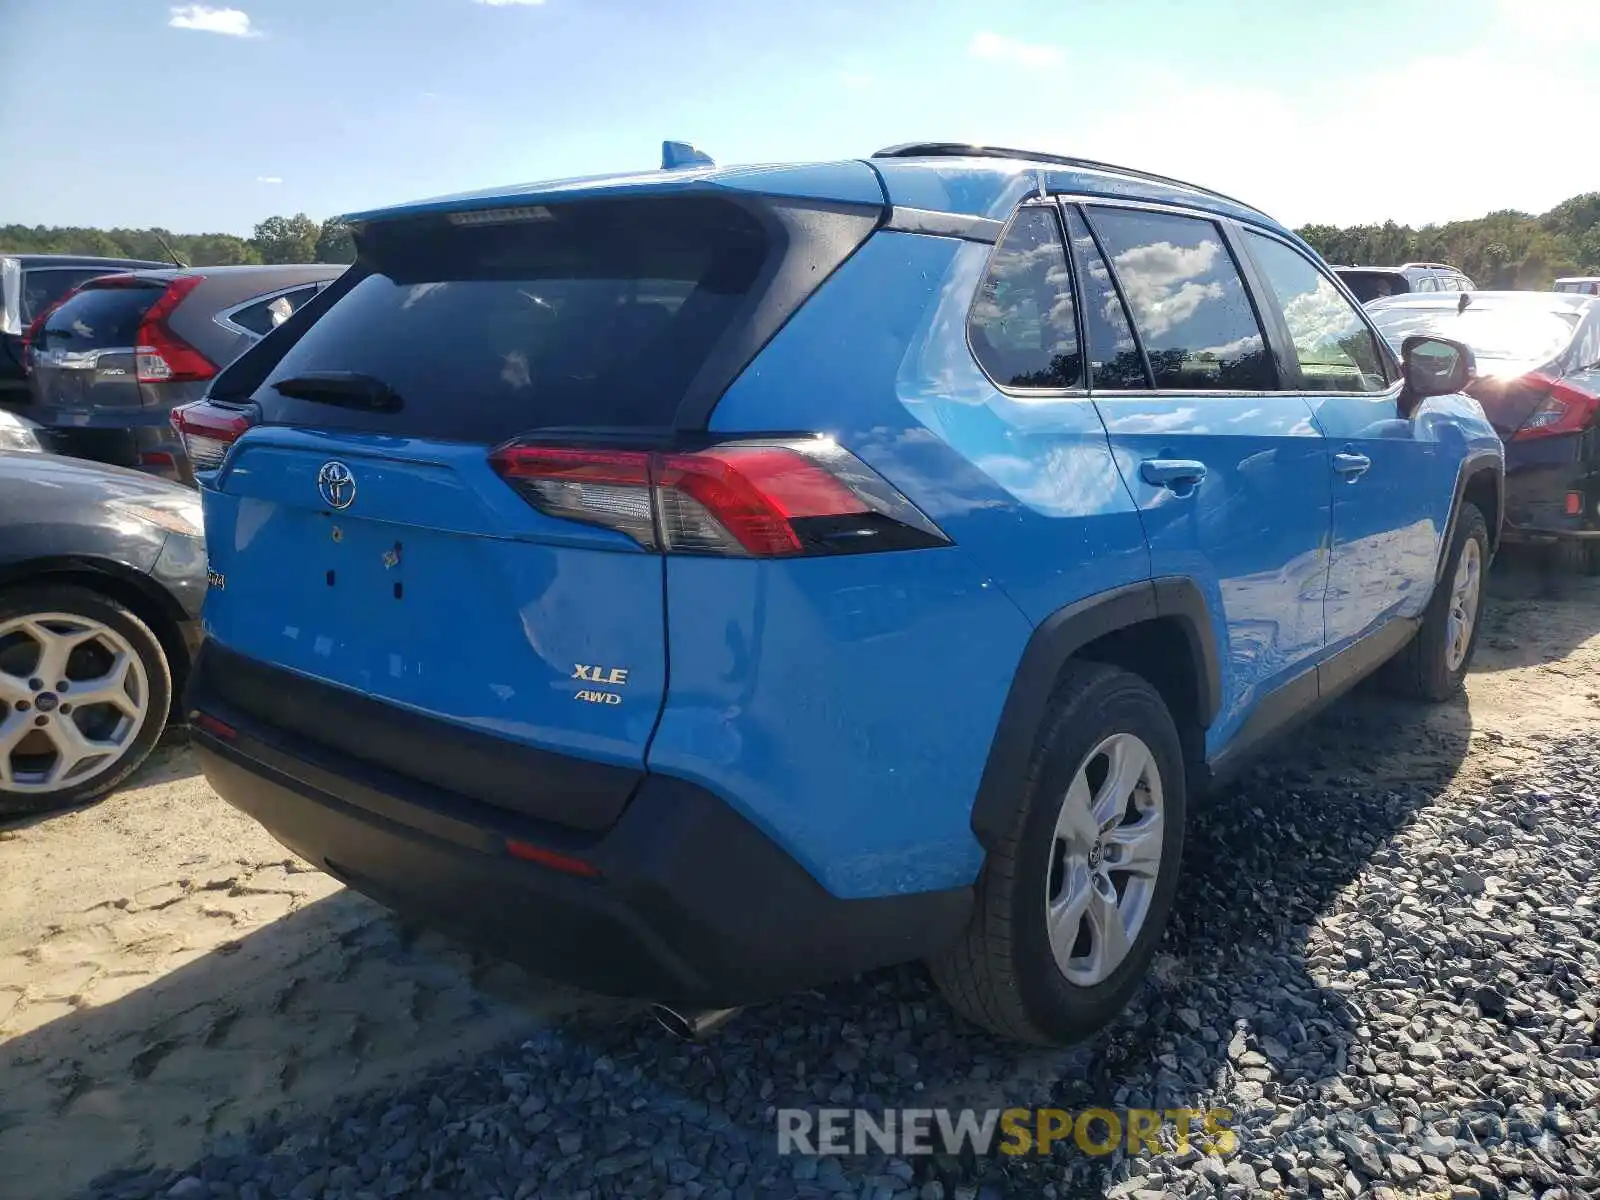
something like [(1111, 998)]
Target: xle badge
[(614, 676)]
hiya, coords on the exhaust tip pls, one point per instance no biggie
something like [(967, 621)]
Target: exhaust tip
[(692, 1026)]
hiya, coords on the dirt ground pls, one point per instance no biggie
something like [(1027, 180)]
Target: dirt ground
[(168, 973)]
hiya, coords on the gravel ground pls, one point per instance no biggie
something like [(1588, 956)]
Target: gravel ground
[(1385, 960)]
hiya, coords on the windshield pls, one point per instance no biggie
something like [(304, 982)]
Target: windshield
[(1504, 341)]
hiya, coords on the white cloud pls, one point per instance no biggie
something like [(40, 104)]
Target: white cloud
[(269, 178), (229, 21), (997, 48), (1340, 154)]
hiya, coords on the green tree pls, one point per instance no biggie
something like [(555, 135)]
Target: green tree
[(334, 243), (287, 239)]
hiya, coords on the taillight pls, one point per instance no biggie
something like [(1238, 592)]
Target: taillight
[(753, 499), (1565, 409), (161, 356), (207, 430)]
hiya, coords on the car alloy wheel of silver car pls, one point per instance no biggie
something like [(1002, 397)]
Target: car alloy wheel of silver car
[(1106, 858), (74, 696)]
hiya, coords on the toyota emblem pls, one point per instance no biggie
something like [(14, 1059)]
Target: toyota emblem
[(337, 485)]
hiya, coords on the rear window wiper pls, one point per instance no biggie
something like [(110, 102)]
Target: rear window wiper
[(348, 389)]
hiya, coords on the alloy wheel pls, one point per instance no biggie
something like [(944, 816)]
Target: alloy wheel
[(1465, 592), (1105, 857), (74, 695)]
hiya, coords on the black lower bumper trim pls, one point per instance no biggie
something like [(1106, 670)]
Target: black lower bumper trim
[(694, 906)]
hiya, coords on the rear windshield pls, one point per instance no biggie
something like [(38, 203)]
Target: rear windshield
[(99, 318), (43, 286), (1374, 285), (598, 315), (1503, 340)]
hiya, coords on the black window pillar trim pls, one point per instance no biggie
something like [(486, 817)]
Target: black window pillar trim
[(1269, 313), (1116, 286), (1058, 638)]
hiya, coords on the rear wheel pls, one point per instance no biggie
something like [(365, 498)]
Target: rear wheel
[(1072, 903), (1433, 664), (84, 694)]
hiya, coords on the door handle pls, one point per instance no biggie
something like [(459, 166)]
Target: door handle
[(1351, 466), (1175, 473)]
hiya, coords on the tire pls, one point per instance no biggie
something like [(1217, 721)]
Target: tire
[(1577, 556), (128, 722), (1431, 666), (1003, 973)]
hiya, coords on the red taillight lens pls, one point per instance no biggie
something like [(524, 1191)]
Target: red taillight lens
[(753, 499), (207, 430), (1565, 409), (1574, 504), (162, 356)]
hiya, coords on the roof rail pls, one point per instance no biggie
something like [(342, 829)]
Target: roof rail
[(1431, 266), (972, 150)]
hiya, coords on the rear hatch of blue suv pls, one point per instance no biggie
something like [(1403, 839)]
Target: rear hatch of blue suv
[(440, 502)]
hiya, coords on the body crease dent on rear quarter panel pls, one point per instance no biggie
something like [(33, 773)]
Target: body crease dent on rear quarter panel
[(847, 705)]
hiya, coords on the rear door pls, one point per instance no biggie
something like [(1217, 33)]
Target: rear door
[(1230, 474), (371, 543)]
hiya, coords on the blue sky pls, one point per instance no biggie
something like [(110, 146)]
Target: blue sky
[(211, 117)]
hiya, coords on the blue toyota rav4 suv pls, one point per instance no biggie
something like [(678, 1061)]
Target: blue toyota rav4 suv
[(709, 582)]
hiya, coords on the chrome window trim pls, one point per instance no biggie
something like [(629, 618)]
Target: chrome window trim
[(943, 224)]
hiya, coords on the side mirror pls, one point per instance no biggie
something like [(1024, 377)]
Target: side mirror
[(1433, 366)]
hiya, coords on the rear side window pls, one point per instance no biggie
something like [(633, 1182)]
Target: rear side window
[(1189, 303), (1337, 352), (99, 318), (1114, 359), (43, 287), (262, 317), (593, 315), (1023, 325)]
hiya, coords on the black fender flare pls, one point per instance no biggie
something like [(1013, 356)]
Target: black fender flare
[(1056, 639), (1474, 466)]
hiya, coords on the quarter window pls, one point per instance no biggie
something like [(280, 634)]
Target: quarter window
[(1189, 303), (1023, 326), (1336, 349), (262, 317)]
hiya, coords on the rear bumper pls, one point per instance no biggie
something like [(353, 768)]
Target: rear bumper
[(691, 906), (1541, 477)]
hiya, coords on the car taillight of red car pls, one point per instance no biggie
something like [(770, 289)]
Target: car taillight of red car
[(1565, 409)]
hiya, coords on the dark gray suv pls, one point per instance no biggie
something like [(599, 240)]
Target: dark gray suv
[(117, 355), (29, 285)]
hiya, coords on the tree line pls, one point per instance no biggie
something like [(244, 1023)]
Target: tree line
[(1502, 250), (296, 239)]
